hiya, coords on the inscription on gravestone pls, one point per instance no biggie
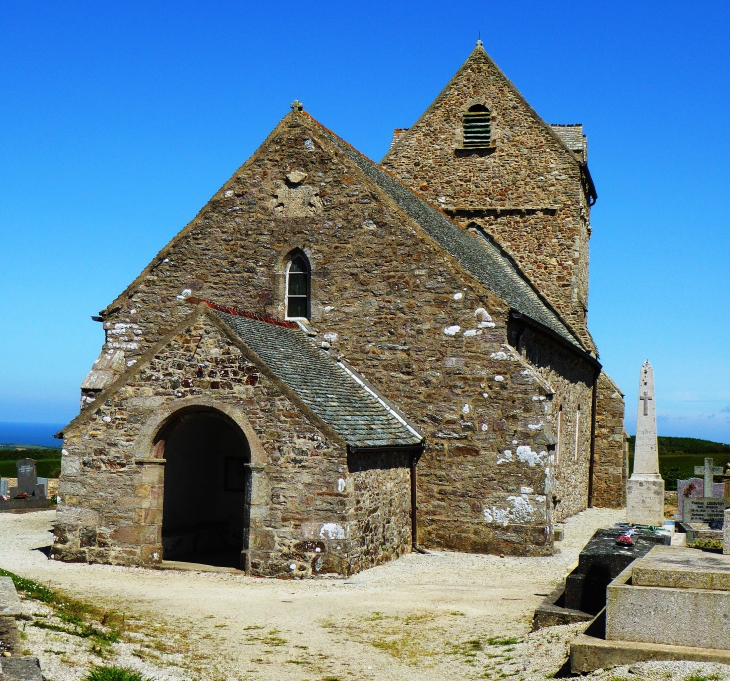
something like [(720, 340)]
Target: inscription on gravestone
[(27, 479), (706, 510)]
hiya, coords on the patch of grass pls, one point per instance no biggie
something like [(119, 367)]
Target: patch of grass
[(71, 612), (502, 641), (702, 677), (467, 649), (81, 630), (32, 589)]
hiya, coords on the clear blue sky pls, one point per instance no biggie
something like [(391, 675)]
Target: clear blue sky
[(118, 121)]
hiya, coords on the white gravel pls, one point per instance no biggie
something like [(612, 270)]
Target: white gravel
[(433, 617)]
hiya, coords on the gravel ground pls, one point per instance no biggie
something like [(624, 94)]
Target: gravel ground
[(426, 617)]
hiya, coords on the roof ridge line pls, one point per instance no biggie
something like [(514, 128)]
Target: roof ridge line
[(484, 234), (509, 260), (480, 51), (383, 169), (228, 309), (365, 384)]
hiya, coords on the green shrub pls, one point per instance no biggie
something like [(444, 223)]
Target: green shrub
[(714, 544), (104, 673)]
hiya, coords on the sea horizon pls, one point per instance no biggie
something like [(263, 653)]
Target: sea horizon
[(29, 434)]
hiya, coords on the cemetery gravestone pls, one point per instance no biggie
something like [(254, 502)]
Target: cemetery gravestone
[(726, 533), (692, 489), (708, 471), (41, 488), (27, 479), (3, 487)]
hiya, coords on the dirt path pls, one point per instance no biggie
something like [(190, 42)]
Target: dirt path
[(433, 617)]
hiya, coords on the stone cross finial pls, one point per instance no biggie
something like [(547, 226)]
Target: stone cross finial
[(296, 105), (708, 471)]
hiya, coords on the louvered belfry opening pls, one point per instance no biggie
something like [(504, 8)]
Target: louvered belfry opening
[(477, 127)]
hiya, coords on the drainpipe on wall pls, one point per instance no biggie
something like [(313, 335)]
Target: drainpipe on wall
[(414, 519), (593, 438)]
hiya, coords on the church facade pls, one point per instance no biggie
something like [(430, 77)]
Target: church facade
[(338, 361)]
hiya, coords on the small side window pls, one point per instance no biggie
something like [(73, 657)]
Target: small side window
[(477, 127), (297, 288)]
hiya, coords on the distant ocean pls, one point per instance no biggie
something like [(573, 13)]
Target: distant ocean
[(30, 434)]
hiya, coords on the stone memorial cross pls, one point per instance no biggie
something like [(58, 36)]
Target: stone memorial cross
[(27, 479), (708, 471), (645, 488)]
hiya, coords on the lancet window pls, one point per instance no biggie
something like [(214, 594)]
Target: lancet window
[(298, 287)]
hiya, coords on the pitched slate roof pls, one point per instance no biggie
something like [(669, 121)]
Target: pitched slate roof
[(333, 392), (572, 136), (480, 257)]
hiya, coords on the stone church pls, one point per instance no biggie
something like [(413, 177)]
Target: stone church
[(339, 361)]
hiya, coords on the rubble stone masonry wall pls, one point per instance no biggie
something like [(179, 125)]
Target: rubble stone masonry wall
[(302, 499), (404, 314), (609, 480), (525, 190)]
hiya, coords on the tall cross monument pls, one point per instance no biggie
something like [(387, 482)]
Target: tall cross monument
[(645, 488)]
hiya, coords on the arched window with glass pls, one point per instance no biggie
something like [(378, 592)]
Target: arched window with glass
[(297, 287)]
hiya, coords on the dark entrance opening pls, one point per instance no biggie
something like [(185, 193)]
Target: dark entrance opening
[(204, 512)]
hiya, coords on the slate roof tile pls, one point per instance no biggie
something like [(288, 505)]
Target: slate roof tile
[(333, 392)]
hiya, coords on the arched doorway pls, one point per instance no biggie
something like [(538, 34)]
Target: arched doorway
[(204, 513)]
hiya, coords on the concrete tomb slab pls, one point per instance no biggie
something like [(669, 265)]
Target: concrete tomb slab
[(672, 604), (671, 615), (588, 653), (682, 568), (694, 531), (726, 534), (600, 561), (20, 669)]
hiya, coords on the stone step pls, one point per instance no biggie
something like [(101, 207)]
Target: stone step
[(20, 669)]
